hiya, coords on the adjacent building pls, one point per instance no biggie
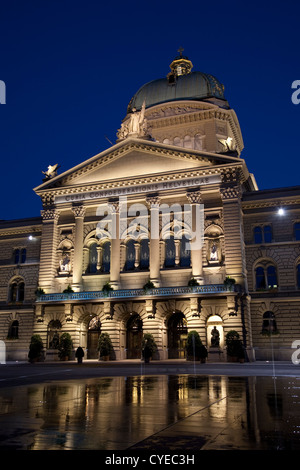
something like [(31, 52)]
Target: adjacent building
[(162, 218)]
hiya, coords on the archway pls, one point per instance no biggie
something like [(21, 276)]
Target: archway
[(177, 335), (134, 337), (215, 334), (94, 330)]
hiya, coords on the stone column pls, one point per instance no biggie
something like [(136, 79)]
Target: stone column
[(79, 212), (154, 255), (99, 257), (196, 253), (48, 257), (115, 245), (137, 250)]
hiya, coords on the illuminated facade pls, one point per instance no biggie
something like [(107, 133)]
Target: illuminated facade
[(125, 217)]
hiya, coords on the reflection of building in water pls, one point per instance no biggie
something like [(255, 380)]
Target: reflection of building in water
[(179, 148), (118, 412)]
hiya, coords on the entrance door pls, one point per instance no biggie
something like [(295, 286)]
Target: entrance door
[(177, 336), (93, 338), (134, 337)]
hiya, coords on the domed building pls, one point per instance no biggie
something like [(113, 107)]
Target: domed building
[(163, 233)]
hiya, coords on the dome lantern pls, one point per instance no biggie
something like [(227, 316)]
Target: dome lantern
[(181, 65)]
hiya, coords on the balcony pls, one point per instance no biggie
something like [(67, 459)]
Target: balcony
[(138, 293)]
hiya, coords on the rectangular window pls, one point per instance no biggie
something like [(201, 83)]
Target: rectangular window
[(297, 231)]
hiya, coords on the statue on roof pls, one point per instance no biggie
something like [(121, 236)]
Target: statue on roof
[(51, 171), (135, 125)]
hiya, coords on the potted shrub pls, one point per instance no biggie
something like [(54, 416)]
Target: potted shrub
[(39, 292), (68, 290), (36, 349), (235, 349), (65, 347), (194, 348), (105, 346), (149, 347), (193, 282), (107, 288), (148, 286), (229, 283)]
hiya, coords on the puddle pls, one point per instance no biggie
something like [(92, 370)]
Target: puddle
[(153, 412)]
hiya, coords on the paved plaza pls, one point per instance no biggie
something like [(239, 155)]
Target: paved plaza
[(132, 407)]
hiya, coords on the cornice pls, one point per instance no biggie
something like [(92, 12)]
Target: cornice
[(270, 204)]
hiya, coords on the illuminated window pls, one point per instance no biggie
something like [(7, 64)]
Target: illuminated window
[(266, 277)]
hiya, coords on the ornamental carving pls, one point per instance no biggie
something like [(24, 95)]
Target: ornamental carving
[(231, 175), (78, 211), (50, 214), (194, 197), (230, 192), (153, 202), (47, 200)]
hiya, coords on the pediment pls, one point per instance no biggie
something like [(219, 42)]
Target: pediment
[(129, 159)]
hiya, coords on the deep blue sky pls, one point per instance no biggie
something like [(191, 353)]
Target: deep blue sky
[(71, 67)]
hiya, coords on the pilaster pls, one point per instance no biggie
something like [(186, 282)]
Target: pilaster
[(194, 198), (79, 212), (154, 258), (48, 258)]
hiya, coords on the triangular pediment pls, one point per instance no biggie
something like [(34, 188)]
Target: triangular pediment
[(130, 159)]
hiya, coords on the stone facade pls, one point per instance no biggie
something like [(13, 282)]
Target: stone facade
[(124, 217)]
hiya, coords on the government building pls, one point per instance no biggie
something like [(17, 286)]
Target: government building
[(146, 237)]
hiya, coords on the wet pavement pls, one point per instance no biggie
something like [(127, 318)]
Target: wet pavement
[(131, 406)]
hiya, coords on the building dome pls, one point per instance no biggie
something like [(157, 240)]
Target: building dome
[(180, 84)]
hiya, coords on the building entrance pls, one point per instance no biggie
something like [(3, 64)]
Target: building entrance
[(93, 338), (177, 336), (134, 337)]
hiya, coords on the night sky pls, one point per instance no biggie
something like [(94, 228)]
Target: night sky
[(71, 67)]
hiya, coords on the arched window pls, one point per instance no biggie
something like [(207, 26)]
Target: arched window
[(144, 254), (266, 277), (130, 255), (170, 252), (269, 323), (297, 231), (16, 291), (271, 276), (92, 268), (105, 267), (13, 331), (260, 278)]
